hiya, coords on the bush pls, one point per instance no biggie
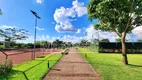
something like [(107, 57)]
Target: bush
[(30, 45), (5, 66), (1, 47), (16, 46)]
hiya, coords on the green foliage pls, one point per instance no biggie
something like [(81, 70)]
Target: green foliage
[(1, 47), (16, 47), (36, 73), (1, 43), (5, 66), (119, 40), (110, 67), (139, 41), (116, 15), (30, 45), (9, 44), (84, 43), (119, 16), (12, 34), (104, 40), (58, 43), (1, 12)]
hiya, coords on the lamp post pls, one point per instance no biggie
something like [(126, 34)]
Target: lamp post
[(98, 40), (36, 17), (132, 42)]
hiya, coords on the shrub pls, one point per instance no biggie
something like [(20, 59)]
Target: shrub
[(1, 47), (16, 47), (5, 66)]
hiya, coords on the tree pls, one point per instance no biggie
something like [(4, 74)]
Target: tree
[(57, 43), (13, 34), (42, 44), (1, 12), (119, 16), (105, 40), (84, 43), (119, 40), (140, 41)]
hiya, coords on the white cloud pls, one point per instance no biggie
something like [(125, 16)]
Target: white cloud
[(53, 22), (39, 28), (95, 34), (92, 33), (73, 19), (79, 8), (137, 33), (5, 26), (78, 31), (138, 30), (30, 39), (69, 38), (43, 38), (40, 1), (64, 16)]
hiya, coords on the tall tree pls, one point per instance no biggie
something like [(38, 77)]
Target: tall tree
[(119, 16), (12, 34)]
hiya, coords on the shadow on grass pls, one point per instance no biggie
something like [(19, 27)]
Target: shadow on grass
[(9, 76), (133, 65)]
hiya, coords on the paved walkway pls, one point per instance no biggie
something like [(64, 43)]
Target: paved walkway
[(72, 67)]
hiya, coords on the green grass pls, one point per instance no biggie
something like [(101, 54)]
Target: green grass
[(36, 73), (110, 66)]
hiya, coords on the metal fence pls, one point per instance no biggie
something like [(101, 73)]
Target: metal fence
[(115, 47)]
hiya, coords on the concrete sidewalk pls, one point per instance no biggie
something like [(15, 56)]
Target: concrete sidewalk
[(72, 67)]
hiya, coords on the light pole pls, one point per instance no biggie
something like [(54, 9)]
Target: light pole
[(36, 17), (132, 42), (60, 46), (98, 40)]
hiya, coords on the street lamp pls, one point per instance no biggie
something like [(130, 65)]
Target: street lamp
[(36, 17)]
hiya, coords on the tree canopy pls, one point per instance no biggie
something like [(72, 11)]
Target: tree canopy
[(12, 34), (116, 15), (119, 16)]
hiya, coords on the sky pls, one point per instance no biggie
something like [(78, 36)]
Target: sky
[(66, 20)]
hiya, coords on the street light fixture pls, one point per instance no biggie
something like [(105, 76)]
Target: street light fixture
[(37, 17)]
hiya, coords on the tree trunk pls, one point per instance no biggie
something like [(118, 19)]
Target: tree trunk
[(124, 54)]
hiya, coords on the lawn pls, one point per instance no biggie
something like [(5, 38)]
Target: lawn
[(37, 68), (110, 66)]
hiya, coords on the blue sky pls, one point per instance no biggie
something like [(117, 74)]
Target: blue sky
[(67, 18)]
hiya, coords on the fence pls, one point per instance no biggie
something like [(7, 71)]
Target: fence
[(24, 72), (115, 47), (22, 55)]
